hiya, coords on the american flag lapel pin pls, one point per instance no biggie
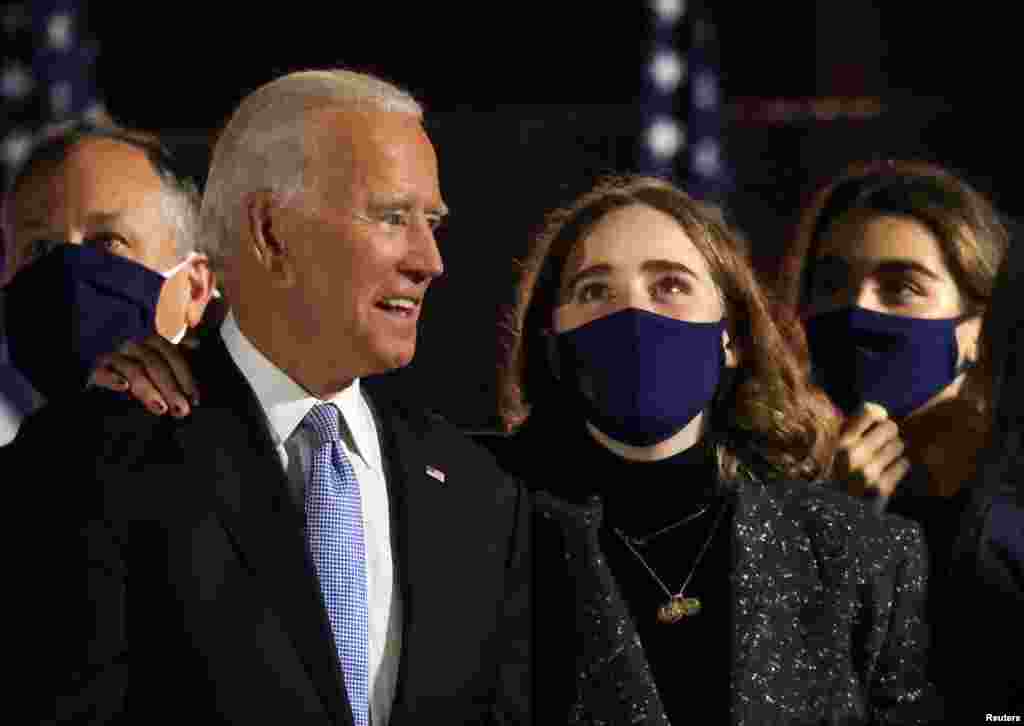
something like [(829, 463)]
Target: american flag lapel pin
[(433, 471)]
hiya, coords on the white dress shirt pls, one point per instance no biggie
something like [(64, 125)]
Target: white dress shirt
[(286, 404)]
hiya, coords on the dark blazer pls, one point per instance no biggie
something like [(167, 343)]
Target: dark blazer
[(827, 619), (982, 606), (173, 582)]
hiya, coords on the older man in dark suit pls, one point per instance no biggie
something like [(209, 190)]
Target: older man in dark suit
[(300, 549)]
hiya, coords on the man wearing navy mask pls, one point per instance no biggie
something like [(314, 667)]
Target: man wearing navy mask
[(100, 250)]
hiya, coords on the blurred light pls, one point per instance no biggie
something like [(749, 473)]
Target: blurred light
[(705, 92), (15, 148), (667, 69), (16, 82), (58, 31), (665, 138), (707, 160), (669, 11)]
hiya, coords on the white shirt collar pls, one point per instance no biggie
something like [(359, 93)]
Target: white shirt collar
[(286, 403)]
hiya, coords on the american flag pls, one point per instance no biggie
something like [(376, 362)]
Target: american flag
[(46, 73), (681, 104)]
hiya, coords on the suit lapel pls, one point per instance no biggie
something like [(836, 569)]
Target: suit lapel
[(260, 517), (399, 451), (419, 504)]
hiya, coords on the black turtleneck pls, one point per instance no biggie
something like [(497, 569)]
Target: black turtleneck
[(690, 659)]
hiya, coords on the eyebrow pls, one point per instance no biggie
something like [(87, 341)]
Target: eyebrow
[(892, 266), (407, 205), (668, 266), (104, 217), (604, 268), (32, 224)]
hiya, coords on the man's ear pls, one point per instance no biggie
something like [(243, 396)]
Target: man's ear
[(201, 281), (732, 355), (266, 243)]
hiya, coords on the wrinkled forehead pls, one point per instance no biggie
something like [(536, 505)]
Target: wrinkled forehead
[(371, 151), (96, 176)]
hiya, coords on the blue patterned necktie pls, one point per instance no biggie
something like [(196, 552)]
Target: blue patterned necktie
[(334, 531)]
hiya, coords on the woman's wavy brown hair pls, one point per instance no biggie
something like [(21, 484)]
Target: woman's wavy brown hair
[(769, 422)]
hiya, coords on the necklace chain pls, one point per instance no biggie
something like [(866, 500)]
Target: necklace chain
[(642, 541), (700, 555)]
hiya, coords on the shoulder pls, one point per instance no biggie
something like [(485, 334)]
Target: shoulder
[(431, 433), (97, 423), (841, 527), (89, 450)]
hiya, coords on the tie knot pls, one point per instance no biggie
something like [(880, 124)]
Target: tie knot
[(323, 419)]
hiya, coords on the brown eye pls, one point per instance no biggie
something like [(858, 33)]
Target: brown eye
[(900, 290), (112, 243), (591, 292), (671, 286)]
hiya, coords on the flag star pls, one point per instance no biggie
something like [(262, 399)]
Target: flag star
[(665, 138), (58, 31), (705, 91), (667, 69), (15, 148), (60, 98), (669, 10), (15, 82), (706, 157)]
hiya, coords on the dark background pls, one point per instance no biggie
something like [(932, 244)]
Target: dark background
[(527, 102)]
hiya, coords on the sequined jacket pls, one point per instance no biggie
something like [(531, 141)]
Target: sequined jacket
[(827, 619)]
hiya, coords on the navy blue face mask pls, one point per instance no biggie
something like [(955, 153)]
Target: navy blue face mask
[(899, 362), (71, 306), (640, 377)]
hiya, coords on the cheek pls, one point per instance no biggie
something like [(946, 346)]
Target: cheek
[(569, 317), (170, 308), (699, 307)]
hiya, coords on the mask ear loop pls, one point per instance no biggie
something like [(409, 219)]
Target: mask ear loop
[(180, 266)]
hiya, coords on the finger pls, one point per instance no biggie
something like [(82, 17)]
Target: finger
[(890, 479), (862, 461), (877, 437), (108, 378), (140, 386), (156, 369), (882, 459), (857, 425), (179, 367)]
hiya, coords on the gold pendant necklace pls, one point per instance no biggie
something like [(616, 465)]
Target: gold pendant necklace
[(679, 605)]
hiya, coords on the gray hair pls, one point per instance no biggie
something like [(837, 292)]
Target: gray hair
[(262, 147), (179, 203)]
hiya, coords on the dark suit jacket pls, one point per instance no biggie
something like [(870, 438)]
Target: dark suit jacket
[(173, 583), (982, 608), (828, 602)]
